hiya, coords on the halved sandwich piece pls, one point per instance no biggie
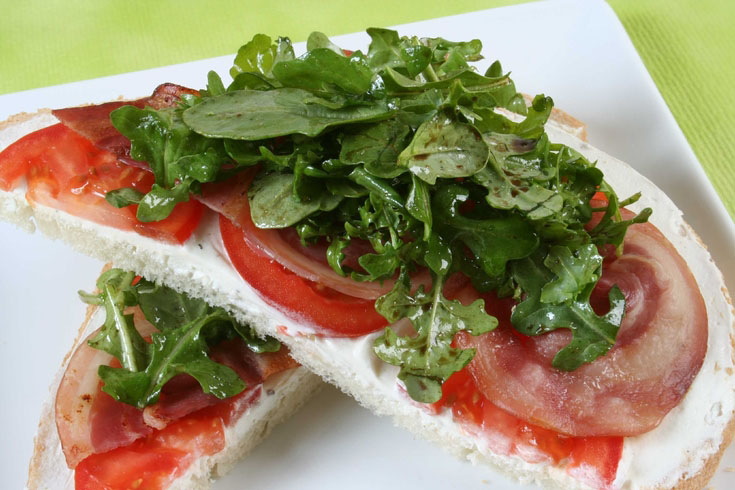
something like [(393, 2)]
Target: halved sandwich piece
[(475, 232), (187, 393)]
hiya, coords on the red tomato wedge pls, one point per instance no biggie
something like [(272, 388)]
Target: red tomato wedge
[(67, 172), (154, 461), (593, 460), (336, 313)]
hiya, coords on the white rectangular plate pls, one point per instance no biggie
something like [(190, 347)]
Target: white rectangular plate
[(574, 50)]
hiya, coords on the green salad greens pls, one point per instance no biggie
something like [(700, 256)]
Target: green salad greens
[(186, 328), (407, 147)]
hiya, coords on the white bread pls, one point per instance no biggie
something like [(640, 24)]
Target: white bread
[(282, 395), (664, 458)]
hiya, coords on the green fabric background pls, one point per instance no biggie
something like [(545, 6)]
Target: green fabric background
[(688, 46)]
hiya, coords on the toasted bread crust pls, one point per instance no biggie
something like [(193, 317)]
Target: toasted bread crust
[(21, 118), (699, 480), (570, 124), (46, 438), (575, 126)]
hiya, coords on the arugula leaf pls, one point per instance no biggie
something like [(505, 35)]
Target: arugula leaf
[(255, 115), (214, 85), (124, 196), (335, 256), (611, 228), (167, 309), (387, 49), (493, 241), (511, 191), (259, 55), (186, 326), (377, 146), (418, 203), (255, 342), (174, 351), (500, 88), (245, 153), (441, 48), (323, 70), (574, 271), (178, 157), (274, 205), (378, 266), (558, 288), (319, 40), (159, 202), (444, 148), (252, 81), (377, 186), (439, 255), (118, 336), (428, 359)]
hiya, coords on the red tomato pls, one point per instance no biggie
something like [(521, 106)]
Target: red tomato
[(338, 314), (593, 460), (152, 463), (229, 199), (67, 172), (15, 160)]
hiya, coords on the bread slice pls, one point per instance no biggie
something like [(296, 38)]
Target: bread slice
[(666, 457), (282, 395)]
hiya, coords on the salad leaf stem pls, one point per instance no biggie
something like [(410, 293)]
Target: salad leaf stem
[(128, 359)]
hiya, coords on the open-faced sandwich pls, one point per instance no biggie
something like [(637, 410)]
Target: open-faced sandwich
[(423, 236), (160, 391)]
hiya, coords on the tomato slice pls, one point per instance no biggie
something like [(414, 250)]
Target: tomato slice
[(153, 462), (16, 159), (593, 460), (229, 199), (67, 172), (338, 314)]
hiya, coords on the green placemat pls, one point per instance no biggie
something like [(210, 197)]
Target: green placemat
[(688, 47)]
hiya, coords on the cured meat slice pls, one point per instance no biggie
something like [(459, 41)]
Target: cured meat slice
[(93, 121), (660, 348), (182, 395), (77, 395)]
